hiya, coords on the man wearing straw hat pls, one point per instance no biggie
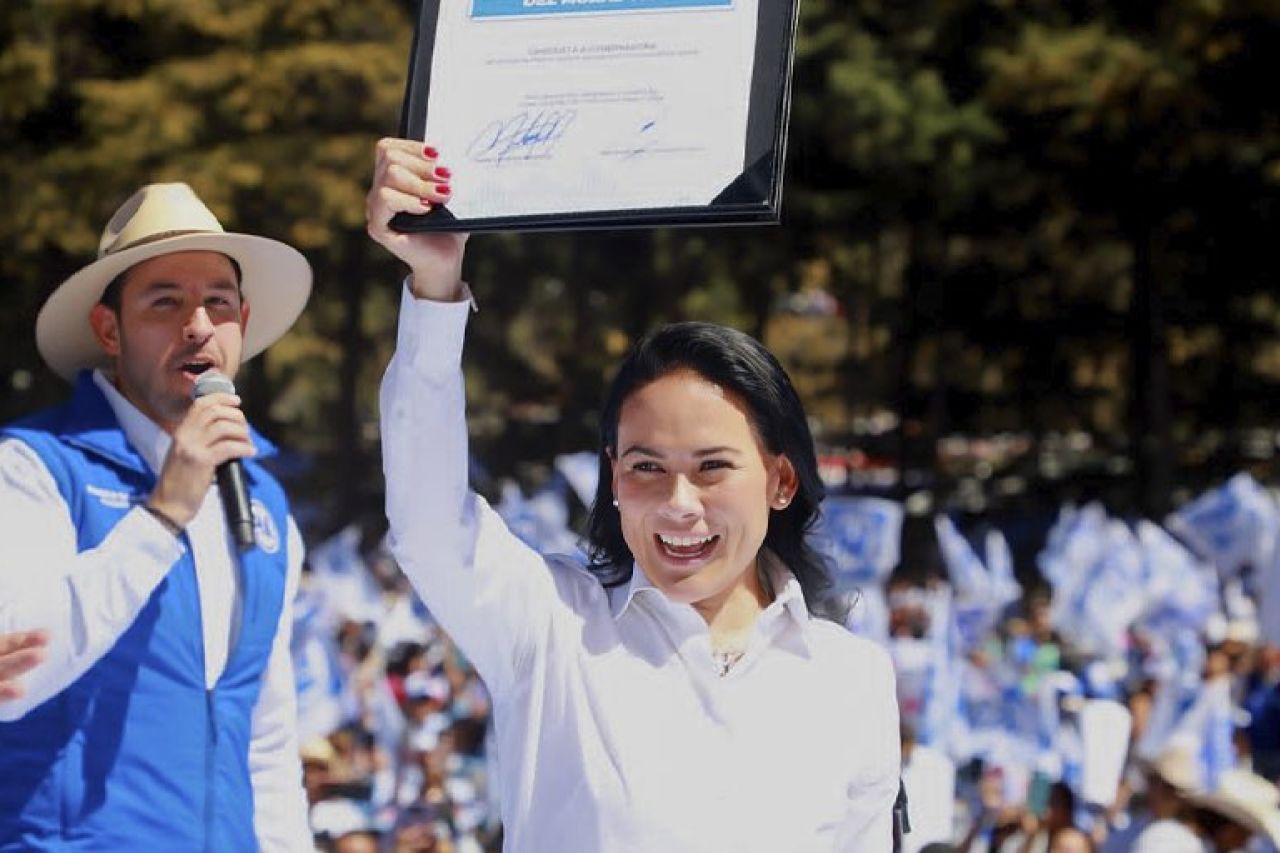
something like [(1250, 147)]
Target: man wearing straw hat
[(1172, 777), (163, 714), (1242, 812)]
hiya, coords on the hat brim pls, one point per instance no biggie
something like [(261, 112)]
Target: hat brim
[(1259, 820), (1177, 776), (275, 281)]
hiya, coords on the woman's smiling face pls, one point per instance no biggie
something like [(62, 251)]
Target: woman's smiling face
[(694, 486)]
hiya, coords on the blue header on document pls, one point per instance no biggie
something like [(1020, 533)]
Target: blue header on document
[(529, 8)]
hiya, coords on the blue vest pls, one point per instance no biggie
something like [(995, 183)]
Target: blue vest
[(137, 754)]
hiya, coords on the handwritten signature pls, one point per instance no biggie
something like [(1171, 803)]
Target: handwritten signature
[(637, 142), (523, 136)]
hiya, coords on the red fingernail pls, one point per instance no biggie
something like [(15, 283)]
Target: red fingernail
[(443, 172), (443, 189), (431, 152)]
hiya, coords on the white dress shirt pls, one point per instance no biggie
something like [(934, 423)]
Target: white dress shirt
[(614, 731), (87, 600)]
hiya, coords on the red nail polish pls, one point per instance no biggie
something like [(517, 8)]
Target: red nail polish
[(443, 189), (443, 172), (430, 152)]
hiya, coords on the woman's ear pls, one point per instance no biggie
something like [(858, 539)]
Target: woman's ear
[(787, 483)]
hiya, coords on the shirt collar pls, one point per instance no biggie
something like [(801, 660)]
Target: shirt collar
[(621, 596), (151, 442), (788, 598)]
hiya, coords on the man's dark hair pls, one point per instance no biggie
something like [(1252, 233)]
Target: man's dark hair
[(738, 363), (111, 295)]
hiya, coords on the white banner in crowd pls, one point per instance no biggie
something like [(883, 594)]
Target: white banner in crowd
[(1233, 526), (1104, 731), (1095, 567), (1004, 586), (1180, 590), (1237, 528), (981, 592)]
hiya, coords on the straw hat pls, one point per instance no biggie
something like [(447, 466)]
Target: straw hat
[(1247, 799), (160, 219), (1176, 764), (317, 751)]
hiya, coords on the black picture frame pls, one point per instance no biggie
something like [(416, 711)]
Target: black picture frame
[(754, 197)]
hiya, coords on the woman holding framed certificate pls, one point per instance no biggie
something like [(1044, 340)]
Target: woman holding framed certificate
[(677, 692)]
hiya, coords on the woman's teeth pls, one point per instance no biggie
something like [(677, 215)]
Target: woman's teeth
[(684, 541), (684, 547)]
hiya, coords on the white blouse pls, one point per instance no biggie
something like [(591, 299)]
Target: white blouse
[(615, 731)]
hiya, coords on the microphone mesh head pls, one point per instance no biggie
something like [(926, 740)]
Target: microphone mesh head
[(212, 382)]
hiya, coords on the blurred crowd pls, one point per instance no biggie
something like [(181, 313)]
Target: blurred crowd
[(1126, 699), (393, 721), (1050, 750)]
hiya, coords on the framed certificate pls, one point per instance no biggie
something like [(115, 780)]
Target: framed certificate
[(566, 114)]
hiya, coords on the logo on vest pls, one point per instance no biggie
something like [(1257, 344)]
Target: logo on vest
[(110, 498), (264, 527)]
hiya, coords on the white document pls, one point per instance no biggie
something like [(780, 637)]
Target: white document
[(1104, 727), (555, 106)]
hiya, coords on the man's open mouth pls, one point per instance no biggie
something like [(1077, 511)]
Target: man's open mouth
[(195, 367)]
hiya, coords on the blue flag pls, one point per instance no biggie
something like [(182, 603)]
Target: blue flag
[(861, 536)]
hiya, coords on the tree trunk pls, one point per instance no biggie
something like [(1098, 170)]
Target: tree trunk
[(353, 470), (920, 411), (1150, 440)]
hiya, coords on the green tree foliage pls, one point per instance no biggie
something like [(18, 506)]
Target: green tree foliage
[(1146, 131)]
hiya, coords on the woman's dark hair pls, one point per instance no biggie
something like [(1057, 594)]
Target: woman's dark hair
[(738, 363)]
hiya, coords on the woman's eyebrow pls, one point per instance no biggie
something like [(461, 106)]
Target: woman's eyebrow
[(641, 450)]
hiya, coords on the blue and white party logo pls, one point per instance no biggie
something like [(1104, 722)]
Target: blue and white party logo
[(264, 527)]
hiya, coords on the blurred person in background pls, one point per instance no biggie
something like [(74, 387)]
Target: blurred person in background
[(1172, 777), (1040, 833), (1262, 702), (422, 828), (994, 821), (1071, 840), (358, 841), (1242, 813), (317, 768)]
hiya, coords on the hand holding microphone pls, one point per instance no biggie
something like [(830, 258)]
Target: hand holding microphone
[(212, 437)]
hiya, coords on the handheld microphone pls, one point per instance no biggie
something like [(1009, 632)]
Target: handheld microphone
[(231, 484)]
